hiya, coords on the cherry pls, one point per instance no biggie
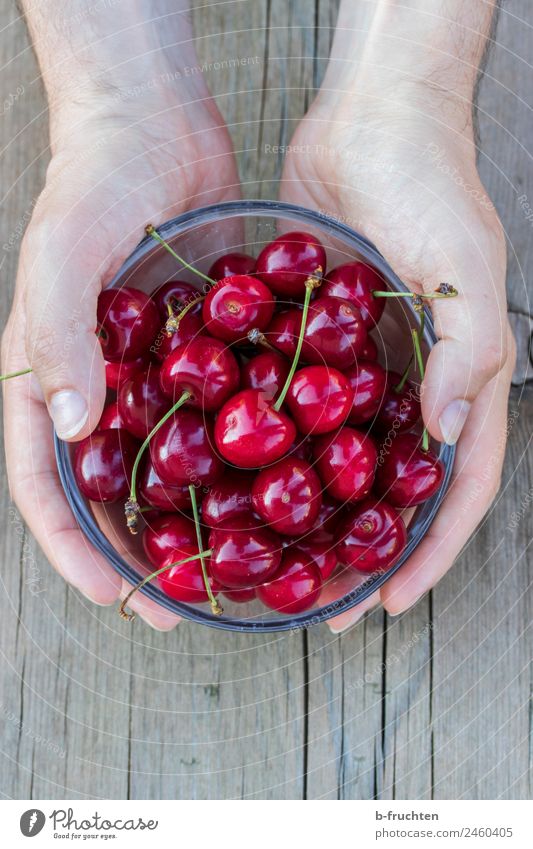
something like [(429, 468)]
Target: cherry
[(229, 498), (231, 264), (128, 322), (102, 464), (240, 596), (346, 462), (399, 410), (185, 581), (283, 330), (141, 402), (182, 450), (249, 432), (206, 368), (319, 399), (295, 586), (235, 306), (189, 327), (321, 550), (117, 373), (408, 475), (111, 418), (370, 350), (288, 495), (162, 496), (335, 333), (355, 282), (267, 371), (175, 294), (168, 535), (373, 536), (245, 557), (368, 382), (285, 263), (303, 449), (328, 517)]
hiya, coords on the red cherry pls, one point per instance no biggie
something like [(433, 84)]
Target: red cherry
[(373, 536), (128, 322), (288, 496), (346, 462), (286, 263), (319, 399), (230, 264), (267, 371), (175, 294), (169, 535), (320, 550), (186, 582), (182, 450), (399, 411), (296, 585), (117, 373), (408, 475), (103, 463), (235, 306), (162, 496), (303, 449), (111, 418), (284, 329), (354, 282), (368, 382), (229, 498), (244, 557), (329, 515), (370, 350), (249, 432), (206, 368), (190, 327), (141, 402), (335, 333), (240, 596)]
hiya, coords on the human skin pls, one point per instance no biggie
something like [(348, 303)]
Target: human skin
[(388, 147)]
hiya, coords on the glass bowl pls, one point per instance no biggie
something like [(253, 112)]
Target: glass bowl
[(200, 236)]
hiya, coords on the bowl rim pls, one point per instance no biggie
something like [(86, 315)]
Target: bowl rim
[(169, 229)]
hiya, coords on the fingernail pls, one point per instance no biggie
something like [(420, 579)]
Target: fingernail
[(409, 607), (343, 628), (452, 420), (69, 412)]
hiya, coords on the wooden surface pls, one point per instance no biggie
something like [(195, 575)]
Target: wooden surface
[(435, 703)]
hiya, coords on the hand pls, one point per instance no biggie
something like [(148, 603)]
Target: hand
[(404, 175), (116, 166)]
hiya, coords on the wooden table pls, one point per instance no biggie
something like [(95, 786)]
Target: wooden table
[(433, 704)]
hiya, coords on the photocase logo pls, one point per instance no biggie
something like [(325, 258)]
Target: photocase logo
[(32, 822)]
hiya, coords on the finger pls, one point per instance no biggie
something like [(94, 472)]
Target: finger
[(152, 613), (475, 482)]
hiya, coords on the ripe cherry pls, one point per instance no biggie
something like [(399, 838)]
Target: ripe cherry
[(355, 282), (235, 306), (111, 418), (321, 550), (346, 462), (335, 333), (102, 464), (169, 535), (128, 322), (141, 402), (240, 596), (243, 557), (399, 410), (369, 351), (190, 326), (230, 264), (175, 294), (206, 368), (296, 585), (182, 450), (163, 496), (267, 371), (319, 399), (283, 330), (185, 582), (249, 432), (285, 263), (229, 499), (373, 536), (408, 475), (288, 496), (368, 382), (117, 373)]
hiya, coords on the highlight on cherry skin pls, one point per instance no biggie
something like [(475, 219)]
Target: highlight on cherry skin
[(252, 433)]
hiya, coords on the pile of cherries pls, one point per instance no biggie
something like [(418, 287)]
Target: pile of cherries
[(253, 432)]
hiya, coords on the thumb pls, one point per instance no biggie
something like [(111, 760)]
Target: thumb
[(60, 277)]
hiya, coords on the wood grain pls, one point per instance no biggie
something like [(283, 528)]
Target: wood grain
[(435, 703)]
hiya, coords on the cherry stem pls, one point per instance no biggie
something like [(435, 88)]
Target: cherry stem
[(132, 508), (448, 292), (130, 616), (399, 386), (173, 321), (215, 606), (151, 231), (421, 369), (257, 338), (15, 374), (310, 284)]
